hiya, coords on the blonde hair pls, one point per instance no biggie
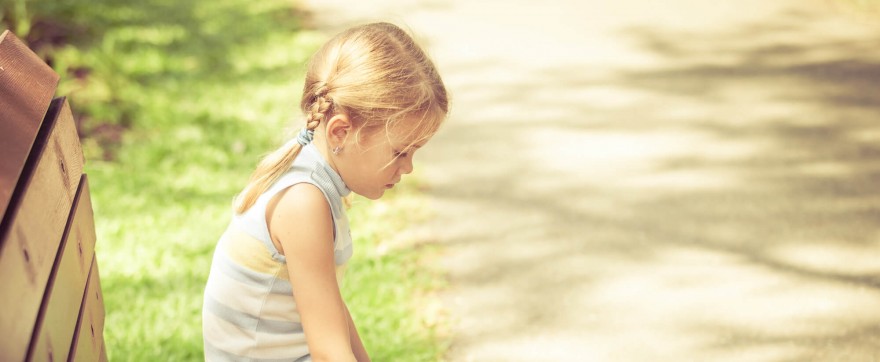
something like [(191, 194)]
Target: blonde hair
[(377, 76)]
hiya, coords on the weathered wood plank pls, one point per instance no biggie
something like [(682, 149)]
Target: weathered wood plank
[(56, 324), (88, 343), (36, 223), (26, 88)]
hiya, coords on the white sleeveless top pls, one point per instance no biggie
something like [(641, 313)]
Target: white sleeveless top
[(249, 313)]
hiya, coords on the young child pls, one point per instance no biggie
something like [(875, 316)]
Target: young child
[(371, 99)]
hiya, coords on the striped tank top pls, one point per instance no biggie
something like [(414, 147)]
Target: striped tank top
[(249, 313)]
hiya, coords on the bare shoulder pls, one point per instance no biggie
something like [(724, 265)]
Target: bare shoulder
[(299, 214)]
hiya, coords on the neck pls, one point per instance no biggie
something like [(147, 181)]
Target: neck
[(320, 142)]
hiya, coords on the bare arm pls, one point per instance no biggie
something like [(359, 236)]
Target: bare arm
[(356, 345), (302, 224)]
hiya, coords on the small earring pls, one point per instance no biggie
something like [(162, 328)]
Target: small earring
[(337, 149)]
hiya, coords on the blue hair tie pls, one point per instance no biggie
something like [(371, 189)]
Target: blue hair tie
[(305, 136)]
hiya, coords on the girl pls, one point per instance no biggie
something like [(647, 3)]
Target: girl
[(371, 99)]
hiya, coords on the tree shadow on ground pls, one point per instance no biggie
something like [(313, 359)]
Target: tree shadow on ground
[(784, 174)]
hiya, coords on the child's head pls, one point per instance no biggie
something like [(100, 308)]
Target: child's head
[(372, 96)]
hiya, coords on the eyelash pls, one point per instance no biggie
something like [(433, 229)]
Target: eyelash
[(400, 154)]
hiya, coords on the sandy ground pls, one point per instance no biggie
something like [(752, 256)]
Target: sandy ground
[(672, 180)]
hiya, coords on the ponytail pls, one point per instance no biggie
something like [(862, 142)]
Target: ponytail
[(268, 171), (276, 163)]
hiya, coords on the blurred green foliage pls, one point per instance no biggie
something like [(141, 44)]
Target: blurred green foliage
[(176, 101)]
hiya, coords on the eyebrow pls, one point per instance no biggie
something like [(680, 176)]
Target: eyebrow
[(411, 147)]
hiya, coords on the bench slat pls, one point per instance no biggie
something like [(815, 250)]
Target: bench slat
[(26, 88), (64, 294), (36, 223), (88, 342)]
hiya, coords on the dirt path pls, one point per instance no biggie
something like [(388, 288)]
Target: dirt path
[(679, 180)]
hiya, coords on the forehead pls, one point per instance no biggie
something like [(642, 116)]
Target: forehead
[(409, 133), (404, 141)]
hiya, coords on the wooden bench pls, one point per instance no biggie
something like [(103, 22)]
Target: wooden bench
[(51, 307)]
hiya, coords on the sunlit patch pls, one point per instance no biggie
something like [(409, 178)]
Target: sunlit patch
[(686, 180), (668, 159), (830, 256), (825, 169), (866, 135)]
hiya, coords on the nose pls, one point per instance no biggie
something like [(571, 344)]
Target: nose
[(407, 166)]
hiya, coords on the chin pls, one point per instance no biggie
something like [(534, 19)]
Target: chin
[(374, 196)]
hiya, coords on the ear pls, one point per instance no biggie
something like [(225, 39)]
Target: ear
[(338, 129)]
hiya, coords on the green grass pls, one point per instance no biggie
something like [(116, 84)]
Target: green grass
[(178, 100)]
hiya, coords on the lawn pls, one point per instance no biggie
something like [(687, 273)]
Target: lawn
[(176, 101)]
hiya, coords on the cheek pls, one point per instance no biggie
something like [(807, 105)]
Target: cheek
[(379, 168), (387, 173)]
